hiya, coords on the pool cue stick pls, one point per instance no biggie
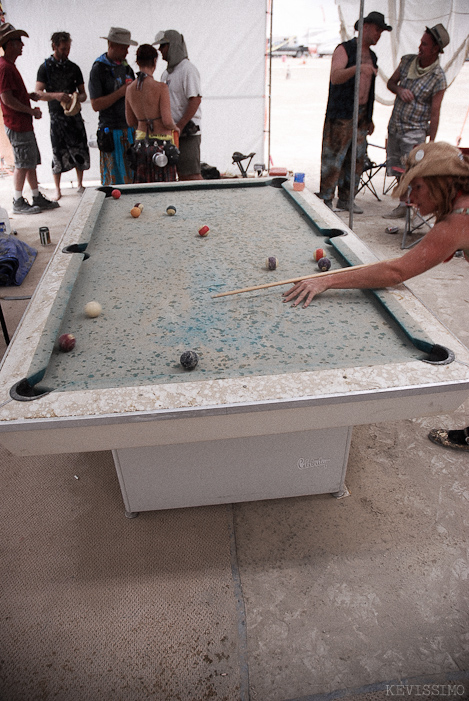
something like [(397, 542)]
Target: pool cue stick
[(298, 279)]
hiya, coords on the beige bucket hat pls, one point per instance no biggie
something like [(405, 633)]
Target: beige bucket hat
[(118, 35)]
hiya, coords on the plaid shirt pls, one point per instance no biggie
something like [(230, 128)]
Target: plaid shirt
[(416, 114)]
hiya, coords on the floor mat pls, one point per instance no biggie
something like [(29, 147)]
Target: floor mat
[(94, 605)]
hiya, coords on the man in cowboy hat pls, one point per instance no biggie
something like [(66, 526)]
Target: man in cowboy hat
[(419, 84), (338, 126), (18, 119), (60, 83), (109, 77)]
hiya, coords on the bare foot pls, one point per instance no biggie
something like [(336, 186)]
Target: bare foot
[(57, 197)]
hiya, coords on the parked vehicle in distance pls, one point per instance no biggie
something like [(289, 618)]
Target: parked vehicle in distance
[(288, 46)]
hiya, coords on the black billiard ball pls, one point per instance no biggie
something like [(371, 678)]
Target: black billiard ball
[(189, 360)]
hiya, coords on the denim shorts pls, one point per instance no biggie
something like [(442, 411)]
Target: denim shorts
[(25, 149)]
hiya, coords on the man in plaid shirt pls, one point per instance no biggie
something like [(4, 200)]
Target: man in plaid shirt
[(419, 84)]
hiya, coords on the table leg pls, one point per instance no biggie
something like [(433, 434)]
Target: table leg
[(4, 327)]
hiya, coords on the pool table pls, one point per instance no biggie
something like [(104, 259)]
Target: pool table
[(269, 409)]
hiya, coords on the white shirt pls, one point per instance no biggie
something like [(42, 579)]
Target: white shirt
[(183, 83)]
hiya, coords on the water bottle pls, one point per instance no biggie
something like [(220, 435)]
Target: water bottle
[(5, 228)]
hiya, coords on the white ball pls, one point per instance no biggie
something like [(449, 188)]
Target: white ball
[(93, 309)]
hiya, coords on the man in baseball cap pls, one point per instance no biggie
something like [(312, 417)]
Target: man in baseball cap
[(18, 120), (109, 77), (419, 84)]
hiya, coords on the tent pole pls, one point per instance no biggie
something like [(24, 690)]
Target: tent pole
[(355, 115), (269, 100)]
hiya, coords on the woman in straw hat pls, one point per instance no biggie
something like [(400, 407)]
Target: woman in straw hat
[(437, 175)]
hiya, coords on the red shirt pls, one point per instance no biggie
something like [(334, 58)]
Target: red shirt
[(10, 79)]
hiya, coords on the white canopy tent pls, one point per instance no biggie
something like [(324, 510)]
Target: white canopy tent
[(225, 40)]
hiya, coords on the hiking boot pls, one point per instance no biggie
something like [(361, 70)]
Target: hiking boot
[(22, 206), (397, 213), (344, 207), (43, 203)]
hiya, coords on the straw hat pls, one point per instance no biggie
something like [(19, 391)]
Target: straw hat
[(74, 107), (434, 158), (7, 32)]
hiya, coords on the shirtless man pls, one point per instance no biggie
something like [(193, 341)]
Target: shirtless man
[(338, 124)]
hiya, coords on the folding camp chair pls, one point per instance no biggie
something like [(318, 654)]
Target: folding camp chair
[(394, 177), (370, 170), (414, 222)]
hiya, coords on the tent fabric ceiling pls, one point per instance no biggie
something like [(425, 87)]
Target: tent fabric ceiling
[(408, 19), (226, 41)]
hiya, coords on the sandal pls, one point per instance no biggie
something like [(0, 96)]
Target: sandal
[(459, 440)]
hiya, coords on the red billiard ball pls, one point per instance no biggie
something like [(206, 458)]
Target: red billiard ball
[(66, 342), (203, 231), (318, 254), (116, 194)]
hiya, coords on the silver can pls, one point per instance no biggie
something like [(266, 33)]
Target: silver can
[(44, 235)]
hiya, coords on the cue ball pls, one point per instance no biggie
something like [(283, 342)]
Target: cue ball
[(135, 212), (116, 194), (324, 264), (93, 309), (318, 254), (271, 263), (189, 360), (140, 206), (171, 210), (66, 342), (203, 231)]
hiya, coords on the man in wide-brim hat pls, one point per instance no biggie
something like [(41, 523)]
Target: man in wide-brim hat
[(419, 84), (18, 120), (338, 132), (109, 77)]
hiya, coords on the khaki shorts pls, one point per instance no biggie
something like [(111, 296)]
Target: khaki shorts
[(25, 149), (189, 158)]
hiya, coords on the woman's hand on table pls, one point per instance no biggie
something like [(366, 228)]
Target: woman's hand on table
[(305, 291)]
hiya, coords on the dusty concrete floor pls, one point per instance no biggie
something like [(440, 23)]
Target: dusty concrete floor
[(349, 598)]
